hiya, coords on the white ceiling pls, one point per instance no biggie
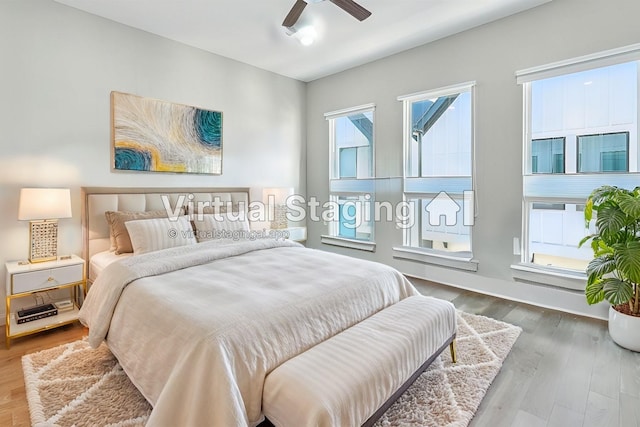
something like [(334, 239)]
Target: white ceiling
[(251, 31)]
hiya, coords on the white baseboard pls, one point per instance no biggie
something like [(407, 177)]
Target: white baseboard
[(568, 301)]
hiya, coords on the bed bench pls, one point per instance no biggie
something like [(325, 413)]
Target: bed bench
[(352, 378)]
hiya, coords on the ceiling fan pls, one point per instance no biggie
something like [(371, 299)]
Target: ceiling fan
[(349, 6)]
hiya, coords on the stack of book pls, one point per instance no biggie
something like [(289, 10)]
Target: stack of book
[(34, 313), (65, 305)]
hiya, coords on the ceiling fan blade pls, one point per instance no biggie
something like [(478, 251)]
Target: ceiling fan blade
[(353, 9), (294, 14)]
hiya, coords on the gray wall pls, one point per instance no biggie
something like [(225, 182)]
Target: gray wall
[(58, 67), (490, 55)]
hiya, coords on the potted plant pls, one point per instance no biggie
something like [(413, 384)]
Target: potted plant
[(614, 272)]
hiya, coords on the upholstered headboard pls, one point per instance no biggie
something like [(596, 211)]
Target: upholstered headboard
[(98, 200)]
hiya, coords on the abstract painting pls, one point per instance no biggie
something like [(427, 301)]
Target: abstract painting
[(158, 136)]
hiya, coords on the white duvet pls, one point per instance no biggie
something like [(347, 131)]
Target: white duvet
[(197, 328)]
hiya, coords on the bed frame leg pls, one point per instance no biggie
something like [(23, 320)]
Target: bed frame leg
[(452, 349)]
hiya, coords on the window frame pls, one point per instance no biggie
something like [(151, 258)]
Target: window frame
[(564, 154), (628, 144), (349, 186), (427, 187), (582, 182)]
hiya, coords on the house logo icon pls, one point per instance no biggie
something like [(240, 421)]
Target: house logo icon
[(442, 205), (445, 206)]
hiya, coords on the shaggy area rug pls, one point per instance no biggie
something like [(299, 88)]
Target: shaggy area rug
[(73, 385)]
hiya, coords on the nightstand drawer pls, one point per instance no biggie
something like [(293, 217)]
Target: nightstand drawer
[(34, 280)]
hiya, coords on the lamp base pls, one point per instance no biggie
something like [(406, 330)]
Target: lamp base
[(43, 240), (280, 220)]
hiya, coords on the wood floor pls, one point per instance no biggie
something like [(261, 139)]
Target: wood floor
[(13, 400), (563, 371)]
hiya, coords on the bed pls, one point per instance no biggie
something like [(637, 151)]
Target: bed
[(198, 327)]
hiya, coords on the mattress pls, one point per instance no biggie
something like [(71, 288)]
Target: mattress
[(101, 260)]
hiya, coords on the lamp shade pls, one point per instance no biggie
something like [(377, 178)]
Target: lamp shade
[(44, 203), (280, 195)]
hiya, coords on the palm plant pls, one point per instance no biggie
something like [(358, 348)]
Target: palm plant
[(614, 272)]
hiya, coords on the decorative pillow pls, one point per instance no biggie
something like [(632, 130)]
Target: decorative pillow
[(120, 240), (221, 225), (148, 235)]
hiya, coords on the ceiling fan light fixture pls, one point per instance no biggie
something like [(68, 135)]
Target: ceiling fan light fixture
[(349, 6), (306, 35)]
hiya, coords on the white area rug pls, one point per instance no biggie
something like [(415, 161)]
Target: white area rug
[(73, 385)]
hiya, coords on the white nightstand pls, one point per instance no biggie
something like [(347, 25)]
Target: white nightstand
[(25, 280)]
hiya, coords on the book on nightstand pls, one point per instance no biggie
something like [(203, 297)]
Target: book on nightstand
[(35, 313)]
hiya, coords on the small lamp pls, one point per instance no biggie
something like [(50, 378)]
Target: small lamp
[(42, 207), (276, 199)]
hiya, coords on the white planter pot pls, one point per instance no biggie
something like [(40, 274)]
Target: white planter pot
[(624, 329)]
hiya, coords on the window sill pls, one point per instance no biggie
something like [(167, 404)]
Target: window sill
[(436, 258), (348, 243), (532, 273)]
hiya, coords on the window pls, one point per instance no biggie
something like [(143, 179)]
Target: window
[(554, 233), (354, 223), (547, 155), (348, 162), (446, 232), (603, 153), (580, 133), (351, 134), (438, 135)]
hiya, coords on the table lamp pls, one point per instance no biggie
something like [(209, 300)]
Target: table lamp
[(42, 207), (276, 199)]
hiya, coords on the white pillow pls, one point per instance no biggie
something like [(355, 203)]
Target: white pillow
[(148, 235), (221, 226)]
